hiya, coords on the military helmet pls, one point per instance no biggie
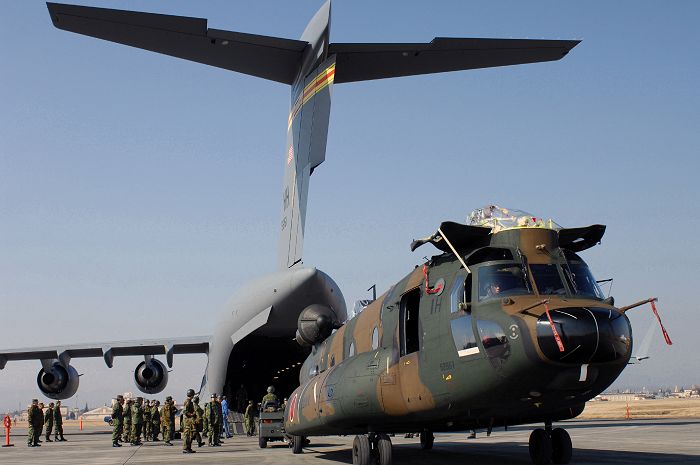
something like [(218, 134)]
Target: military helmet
[(120, 397), (196, 399), (35, 401), (169, 398), (271, 389), (190, 392)]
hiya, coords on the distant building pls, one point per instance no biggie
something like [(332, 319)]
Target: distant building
[(97, 414)]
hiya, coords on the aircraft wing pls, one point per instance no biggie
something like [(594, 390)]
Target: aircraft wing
[(361, 62), (109, 350), (267, 57)]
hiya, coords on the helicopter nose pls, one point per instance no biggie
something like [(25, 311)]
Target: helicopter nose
[(588, 334)]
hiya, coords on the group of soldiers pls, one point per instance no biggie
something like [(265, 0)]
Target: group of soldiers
[(50, 420), (136, 418), (133, 419)]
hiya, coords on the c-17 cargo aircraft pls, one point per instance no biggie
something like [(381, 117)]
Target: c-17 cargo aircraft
[(430, 354)]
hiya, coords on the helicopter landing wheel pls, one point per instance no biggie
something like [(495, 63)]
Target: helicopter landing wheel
[(561, 446), (540, 447), (426, 440), (360, 450), (382, 449)]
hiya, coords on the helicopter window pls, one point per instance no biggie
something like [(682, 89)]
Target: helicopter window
[(375, 338), (489, 254), (463, 335), (496, 281), (583, 281), (461, 292), (547, 279), (493, 338), (351, 350)]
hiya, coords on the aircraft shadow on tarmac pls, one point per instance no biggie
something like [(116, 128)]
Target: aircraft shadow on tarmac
[(505, 453)]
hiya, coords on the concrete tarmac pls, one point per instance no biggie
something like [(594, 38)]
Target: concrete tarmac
[(595, 442)]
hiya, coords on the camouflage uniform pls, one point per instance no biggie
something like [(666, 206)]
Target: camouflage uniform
[(188, 426), (136, 421), (48, 422), (214, 420), (41, 419), (155, 420), (58, 422), (249, 419), (117, 421), (165, 416), (127, 421), (34, 417), (205, 418), (198, 422), (220, 424), (269, 397), (173, 411), (146, 421)]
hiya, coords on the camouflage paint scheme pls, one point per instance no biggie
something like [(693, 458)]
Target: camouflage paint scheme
[(379, 390)]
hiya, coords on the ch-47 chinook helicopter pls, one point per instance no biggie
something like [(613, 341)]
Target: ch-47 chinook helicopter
[(506, 327)]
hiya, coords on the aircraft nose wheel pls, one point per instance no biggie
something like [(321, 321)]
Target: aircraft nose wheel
[(546, 447)]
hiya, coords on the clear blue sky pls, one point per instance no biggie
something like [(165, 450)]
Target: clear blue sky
[(138, 192)]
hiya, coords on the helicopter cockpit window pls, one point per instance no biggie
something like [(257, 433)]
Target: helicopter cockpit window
[(501, 280), (547, 279), (461, 292), (584, 283)]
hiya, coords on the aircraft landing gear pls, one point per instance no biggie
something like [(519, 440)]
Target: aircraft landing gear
[(550, 445), (426, 440), (297, 444), (368, 448)]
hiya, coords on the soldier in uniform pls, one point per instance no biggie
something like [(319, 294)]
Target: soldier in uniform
[(146, 420), (58, 423), (220, 425), (117, 420), (126, 437), (34, 417), (136, 421), (155, 419), (270, 396), (205, 426), (48, 422), (165, 416), (214, 420), (173, 411), (249, 419), (198, 422), (189, 416), (41, 419)]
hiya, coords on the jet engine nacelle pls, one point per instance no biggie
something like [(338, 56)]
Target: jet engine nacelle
[(58, 382), (316, 322), (151, 376)]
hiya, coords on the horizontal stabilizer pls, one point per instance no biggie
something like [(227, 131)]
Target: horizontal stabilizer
[(362, 62), (267, 57)]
